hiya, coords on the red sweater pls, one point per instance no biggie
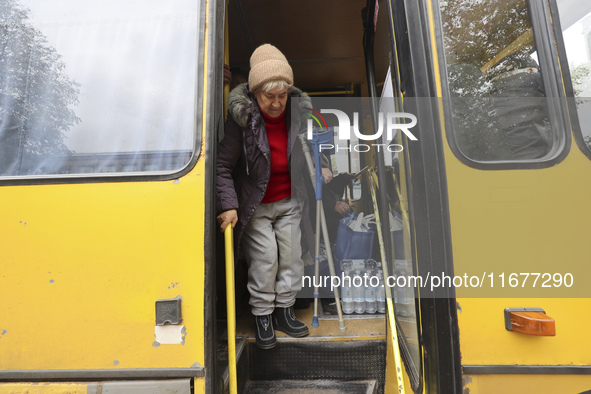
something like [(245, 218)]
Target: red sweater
[(280, 183)]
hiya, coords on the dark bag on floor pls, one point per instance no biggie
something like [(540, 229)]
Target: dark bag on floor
[(353, 244)]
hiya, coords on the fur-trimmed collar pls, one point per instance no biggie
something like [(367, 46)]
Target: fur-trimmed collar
[(242, 104)]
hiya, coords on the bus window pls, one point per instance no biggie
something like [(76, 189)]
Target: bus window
[(97, 87), (498, 97), (575, 21)]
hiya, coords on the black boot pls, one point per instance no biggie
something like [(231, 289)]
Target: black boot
[(264, 332), (286, 321)]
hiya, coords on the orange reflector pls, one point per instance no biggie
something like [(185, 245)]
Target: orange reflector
[(531, 321)]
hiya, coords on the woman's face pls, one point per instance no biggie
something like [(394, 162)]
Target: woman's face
[(273, 102)]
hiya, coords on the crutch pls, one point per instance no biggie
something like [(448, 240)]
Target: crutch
[(317, 180)]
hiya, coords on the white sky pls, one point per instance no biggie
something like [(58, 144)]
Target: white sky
[(135, 60), (574, 42)]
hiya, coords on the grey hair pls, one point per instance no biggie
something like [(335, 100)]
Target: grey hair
[(281, 84)]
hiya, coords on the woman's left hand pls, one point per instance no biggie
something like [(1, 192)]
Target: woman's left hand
[(341, 208)]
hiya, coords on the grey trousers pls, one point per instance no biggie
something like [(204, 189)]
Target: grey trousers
[(271, 244)]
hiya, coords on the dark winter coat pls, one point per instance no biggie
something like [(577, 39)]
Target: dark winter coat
[(244, 158)]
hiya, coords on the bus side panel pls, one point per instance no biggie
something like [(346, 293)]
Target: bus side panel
[(494, 384), (44, 388), (84, 264), (177, 386), (513, 222)]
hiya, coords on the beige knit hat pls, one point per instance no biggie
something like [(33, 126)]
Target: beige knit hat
[(267, 63)]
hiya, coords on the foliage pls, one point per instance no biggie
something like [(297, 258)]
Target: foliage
[(35, 90), (580, 78), (476, 31)]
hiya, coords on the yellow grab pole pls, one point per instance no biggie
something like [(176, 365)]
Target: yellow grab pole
[(231, 308), (229, 250), (389, 299), (229, 247)]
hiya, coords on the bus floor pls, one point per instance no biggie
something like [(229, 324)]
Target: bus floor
[(358, 327)]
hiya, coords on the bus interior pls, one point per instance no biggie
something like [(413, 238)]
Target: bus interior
[(335, 48)]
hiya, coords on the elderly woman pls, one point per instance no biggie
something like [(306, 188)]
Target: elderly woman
[(257, 159)]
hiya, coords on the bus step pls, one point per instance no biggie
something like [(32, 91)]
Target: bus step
[(310, 386)]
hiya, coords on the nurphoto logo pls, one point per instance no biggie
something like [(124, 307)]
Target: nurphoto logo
[(393, 121)]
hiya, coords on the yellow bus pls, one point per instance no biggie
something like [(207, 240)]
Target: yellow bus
[(110, 258)]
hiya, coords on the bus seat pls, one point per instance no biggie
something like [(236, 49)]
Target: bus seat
[(522, 112)]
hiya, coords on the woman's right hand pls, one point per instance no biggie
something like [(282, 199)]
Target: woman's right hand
[(228, 217)]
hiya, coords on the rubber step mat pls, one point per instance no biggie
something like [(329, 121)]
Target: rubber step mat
[(320, 360), (310, 387)]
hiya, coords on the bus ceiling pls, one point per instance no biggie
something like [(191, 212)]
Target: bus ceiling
[(323, 41)]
